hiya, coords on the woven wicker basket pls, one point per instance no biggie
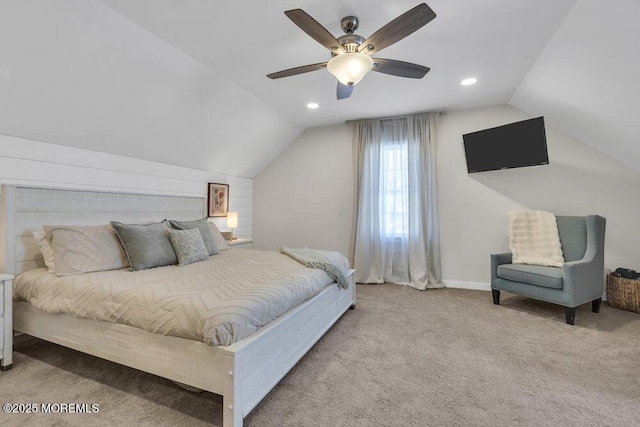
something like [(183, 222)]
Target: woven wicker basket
[(623, 293)]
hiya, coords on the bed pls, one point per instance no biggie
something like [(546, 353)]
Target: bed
[(242, 372)]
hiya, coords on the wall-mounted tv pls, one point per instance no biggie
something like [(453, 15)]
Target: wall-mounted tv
[(510, 146)]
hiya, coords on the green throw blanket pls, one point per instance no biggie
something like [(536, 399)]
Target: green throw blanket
[(332, 263)]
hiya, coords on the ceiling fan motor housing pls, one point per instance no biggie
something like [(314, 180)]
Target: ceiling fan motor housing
[(349, 24)]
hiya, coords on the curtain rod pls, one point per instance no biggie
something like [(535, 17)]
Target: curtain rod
[(397, 117)]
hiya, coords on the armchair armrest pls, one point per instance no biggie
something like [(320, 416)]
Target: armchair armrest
[(502, 258), (584, 278), (496, 260)]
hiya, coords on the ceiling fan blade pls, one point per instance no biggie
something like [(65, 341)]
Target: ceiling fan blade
[(297, 70), (399, 68), (398, 29), (344, 91), (315, 30)]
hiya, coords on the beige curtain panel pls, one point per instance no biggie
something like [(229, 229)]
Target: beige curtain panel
[(396, 233)]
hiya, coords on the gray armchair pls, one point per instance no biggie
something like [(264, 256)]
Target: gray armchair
[(578, 281)]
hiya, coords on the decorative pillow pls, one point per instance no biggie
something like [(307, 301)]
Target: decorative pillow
[(220, 240), (201, 224), (46, 250), (189, 245), (534, 238), (84, 249), (146, 245)]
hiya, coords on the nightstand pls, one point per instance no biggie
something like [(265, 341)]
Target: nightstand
[(6, 321), (241, 243)]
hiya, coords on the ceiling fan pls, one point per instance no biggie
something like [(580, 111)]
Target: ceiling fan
[(351, 54)]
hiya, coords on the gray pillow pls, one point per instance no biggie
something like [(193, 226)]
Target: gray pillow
[(146, 245), (188, 245), (221, 242), (205, 231)]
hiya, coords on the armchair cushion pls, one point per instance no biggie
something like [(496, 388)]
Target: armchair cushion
[(547, 277)]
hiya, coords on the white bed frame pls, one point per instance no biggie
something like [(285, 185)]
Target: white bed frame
[(243, 372)]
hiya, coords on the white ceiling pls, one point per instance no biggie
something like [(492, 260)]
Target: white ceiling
[(495, 40), (184, 81)]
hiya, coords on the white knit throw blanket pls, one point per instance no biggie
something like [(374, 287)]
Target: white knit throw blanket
[(332, 263), (534, 239)]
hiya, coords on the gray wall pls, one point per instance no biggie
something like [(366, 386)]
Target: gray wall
[(305, 197)]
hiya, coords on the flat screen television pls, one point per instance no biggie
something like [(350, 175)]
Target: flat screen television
[(514, 145)]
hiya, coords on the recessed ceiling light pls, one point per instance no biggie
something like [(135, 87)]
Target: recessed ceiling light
[(312, 105), (469, 81)]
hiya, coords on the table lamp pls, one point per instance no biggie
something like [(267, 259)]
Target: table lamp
[(232, 222)]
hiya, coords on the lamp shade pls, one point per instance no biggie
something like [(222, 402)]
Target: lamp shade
[(232, 219), (350, 68)]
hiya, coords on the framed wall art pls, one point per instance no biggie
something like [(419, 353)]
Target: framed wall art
[(218, 200)]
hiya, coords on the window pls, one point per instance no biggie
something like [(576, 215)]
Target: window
[(394, 189)]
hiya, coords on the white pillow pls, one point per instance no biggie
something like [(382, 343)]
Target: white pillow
[(534, 238), (84, 249), (45, 248), (219, 238)]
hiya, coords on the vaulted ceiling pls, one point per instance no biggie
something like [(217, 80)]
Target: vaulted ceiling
[(183, 81), (585, 81)]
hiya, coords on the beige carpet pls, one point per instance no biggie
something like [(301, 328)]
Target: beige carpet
[(402, 358)]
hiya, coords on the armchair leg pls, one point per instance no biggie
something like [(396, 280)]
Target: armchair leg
[(595, 305), (496, 296), (570, 315)]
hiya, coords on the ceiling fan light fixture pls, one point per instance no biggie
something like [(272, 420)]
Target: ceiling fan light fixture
[(350, 68), (351, 59)]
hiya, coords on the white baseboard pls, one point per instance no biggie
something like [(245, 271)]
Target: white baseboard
[(476, 286)]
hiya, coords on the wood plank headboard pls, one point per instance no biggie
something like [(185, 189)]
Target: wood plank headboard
[(26, 209)]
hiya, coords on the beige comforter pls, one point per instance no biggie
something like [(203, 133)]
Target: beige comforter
[(218, 301)]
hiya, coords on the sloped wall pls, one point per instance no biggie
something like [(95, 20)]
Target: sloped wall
[(585, 81), (78, 74)]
